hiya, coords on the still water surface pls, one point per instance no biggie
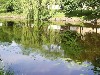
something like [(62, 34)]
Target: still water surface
[(49, 49)]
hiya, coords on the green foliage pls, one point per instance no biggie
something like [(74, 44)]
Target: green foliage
[(2, 72), (32, 9), (80, 8), (38, 9), (70, 43), (10, 6), (70, 5)]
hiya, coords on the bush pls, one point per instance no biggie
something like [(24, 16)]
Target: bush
[(2, 10)]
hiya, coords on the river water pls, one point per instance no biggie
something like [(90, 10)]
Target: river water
[(28, 48)]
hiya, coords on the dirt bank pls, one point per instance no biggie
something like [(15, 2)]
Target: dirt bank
[(73, 19)]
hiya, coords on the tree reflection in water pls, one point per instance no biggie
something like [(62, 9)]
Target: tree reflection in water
[(54, 44), (87, 49)]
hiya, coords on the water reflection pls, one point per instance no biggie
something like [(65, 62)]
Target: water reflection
[(37, 64), (44, 49)]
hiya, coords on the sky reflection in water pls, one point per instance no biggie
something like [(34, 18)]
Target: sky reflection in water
[(35, 64), (49, 50)]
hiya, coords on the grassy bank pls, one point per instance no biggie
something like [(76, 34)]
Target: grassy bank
[(12, 16), (58, 17)]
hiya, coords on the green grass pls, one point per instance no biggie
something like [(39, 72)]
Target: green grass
[(9, 14), (59, 14), (12, 15)]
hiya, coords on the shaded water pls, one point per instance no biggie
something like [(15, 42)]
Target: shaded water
[(28, 48)]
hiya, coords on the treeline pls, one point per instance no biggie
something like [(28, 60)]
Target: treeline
[(82, 8), (38, 9)]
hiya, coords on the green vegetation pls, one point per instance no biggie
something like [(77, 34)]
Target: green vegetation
[(59, 15), (90, 9), (32, 9), (42, 9), (2, 72)]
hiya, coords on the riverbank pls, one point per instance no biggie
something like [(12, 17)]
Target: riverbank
[(12, 16), (72, 20)]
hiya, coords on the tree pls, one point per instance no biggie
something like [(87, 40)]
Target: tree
[(90, 9), (32, 9)]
